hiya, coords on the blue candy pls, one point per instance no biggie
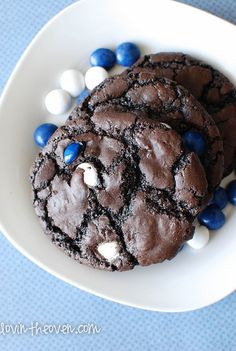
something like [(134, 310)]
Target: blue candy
[(212, 217), (127, 54), (71, 152), (231, 190), (194, 141), (220, 198), (82, 96), (103, 57), (43, 133)]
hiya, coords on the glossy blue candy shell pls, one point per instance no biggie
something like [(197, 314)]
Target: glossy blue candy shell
[(212, 217), (102, 57), (43, 133), (127, 54), (220, 198), (82, 96), (194, 141), (71, 152)]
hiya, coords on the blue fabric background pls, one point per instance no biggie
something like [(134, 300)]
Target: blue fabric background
[(29, 294)]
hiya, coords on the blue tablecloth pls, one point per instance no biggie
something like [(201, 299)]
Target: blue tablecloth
[(28, 294)]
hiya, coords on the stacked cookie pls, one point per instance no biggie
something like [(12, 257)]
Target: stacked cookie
[(122, 182), (210, 87)]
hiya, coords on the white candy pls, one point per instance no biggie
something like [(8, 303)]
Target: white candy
[(109, 250), (200, 238), (94, 76), (166, 125), (72, 81), (58, 101), (90, 174)]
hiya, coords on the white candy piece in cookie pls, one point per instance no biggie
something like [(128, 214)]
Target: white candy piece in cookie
[(200, 238), (166, 125), (90, 174), (109, 250)]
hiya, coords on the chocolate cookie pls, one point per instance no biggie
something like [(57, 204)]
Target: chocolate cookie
[(162, 100), (129, 197), (214, 91)]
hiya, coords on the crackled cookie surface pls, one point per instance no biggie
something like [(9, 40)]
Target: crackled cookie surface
[(163, 100), (215, 92), (129, 197)]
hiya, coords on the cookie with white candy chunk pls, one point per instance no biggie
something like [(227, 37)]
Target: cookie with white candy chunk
[(118, 190), (165, 101)]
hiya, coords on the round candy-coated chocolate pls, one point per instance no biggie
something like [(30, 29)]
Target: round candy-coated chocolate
[(72, 81), (231, 190), (43, 133), (82, 96), (200, 237), (94, 76), (58, 101), (127, 54), (212, 217), (220, 198), (102, 57), (71, 152), (194, 142)]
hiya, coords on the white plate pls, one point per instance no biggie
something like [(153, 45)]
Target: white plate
[(194, 278)]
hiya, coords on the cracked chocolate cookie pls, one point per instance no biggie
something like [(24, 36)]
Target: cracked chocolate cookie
[(163, 100), (128, 195), (213, 90)]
